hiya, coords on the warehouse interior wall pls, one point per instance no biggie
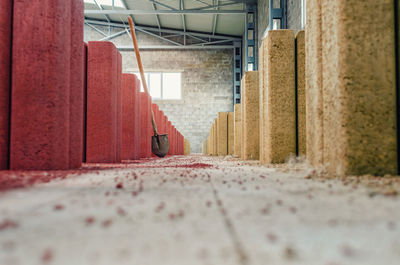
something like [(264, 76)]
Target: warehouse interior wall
[(207, 81)]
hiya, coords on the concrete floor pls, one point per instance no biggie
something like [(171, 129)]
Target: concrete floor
[(199, 210)]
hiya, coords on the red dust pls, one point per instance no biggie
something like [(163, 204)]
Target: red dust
[(8, 224), (47, 256)]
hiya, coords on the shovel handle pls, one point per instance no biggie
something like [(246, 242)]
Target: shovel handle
[(139, 62)]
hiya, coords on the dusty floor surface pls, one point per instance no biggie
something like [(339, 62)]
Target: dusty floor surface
[(198, 210)]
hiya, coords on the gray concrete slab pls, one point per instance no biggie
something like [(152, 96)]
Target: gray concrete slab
[(198, 210)]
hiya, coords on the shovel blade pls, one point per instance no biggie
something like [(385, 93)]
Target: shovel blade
[(160, 145)]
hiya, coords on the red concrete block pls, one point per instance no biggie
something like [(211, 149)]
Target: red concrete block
[(128, 116), (102, 101), (137, 135), (84, 105), (118, 157), (144, 114), (169, 129), (40, 93), (163, 123), (77, 85), (149, 127), (5, 75)]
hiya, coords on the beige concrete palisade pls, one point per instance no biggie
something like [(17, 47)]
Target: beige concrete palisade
[(215, 138), (187, 147), (238, 129), (314, 96), (222, 134), (262, 90), (250, 116), (301, 93), (359, 87), (231, 136), (279, 101)]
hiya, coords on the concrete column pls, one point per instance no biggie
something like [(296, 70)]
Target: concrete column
[(137, 122), (205, 147), (118, 154), (237, 130), (231, 136), (262, 91), (210, 141), (279, 59), (40, 94), (187, 147), (215, 138), (128, 116), (5, 79), (250, 116), (314, 97), (301, 92), (77, 84), (359, 87), (222, 132)]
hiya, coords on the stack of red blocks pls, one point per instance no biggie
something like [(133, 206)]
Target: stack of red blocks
[(64, 102)]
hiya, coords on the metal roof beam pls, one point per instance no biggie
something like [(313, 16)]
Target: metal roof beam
[(173, 47), (164, 12), (162, 4), (163, 30)]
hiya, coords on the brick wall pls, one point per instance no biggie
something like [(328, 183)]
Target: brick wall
[(207, 80)]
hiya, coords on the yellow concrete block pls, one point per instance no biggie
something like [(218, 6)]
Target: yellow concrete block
[(314, 97), (210, 141), (187, 147), (238, 130), (359, 87), (204, 147), (215, 138), (301, 93), (231, 136), (262, 91), (250, 116), (222, 132), (280, 105)]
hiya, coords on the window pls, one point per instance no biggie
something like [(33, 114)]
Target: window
[(163, 85), (117, 3)]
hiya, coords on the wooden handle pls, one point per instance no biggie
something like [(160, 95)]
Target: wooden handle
[(139, 62)]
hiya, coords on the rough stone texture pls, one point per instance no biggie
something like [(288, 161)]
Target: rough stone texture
[(40, 97), (231, 133), (170, 138), (118, 155), (250, 116), (84, 106), (145, 134), (210, 141), (215, 138), (204, 147), (77, 84), (128, 116), (222, 132), (301, 92), (314, 96), (238, 130), (102, 101), (279, 57), (207, 82), (263, 106), (137, 121), (5, 76), (359, 87)]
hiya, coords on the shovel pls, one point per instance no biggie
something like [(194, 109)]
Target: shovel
[(159, 143)]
